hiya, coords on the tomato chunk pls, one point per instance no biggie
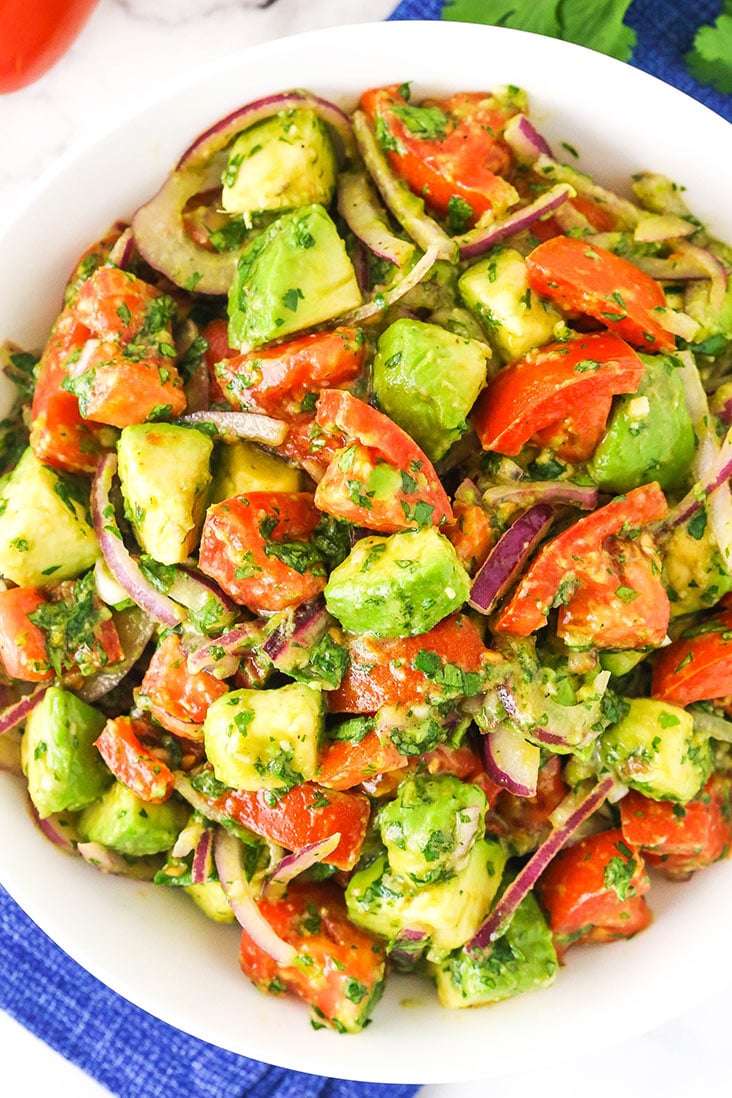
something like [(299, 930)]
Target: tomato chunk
[(697, 666), (304, 814), (381, 480), (585, 278), (587, 887), (256, 548), (339, 970), (113, 304), (449, 659), (471, 534), (345, 764), (120, 746), (120, 390), (561, 562), (23, 644), (700, 834), (171, 692), (556, 385)]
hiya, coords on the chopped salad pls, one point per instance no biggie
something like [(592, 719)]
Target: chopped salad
[(365, 542)]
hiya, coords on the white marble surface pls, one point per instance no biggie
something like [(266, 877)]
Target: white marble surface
[(130, 51)]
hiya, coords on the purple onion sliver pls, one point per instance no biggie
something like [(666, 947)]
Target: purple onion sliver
[(54, 830), (207, 656), (203, 857), (109, 861), (384, 300), (478, 241), (508, 556), (122, 251), (15, 714), (292, 865), (525, 880), (717, 475), (525, 140), (511, 761)]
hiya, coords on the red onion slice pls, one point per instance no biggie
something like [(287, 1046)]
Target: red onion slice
[(122, 250), (203, 857), (198, 593), (234, 425), (384, 300), (542, 491), (508, 556), (361, 211), (479, 240), (134, 629), (524, 139), (293, 864), (512, 761), (527, 877), (202, 804), (677, 323), (58, 829), (297, 634), (675, 268), (15, 714), (227, 852), (109, 861), (548, 169), (209, 656), (408, 947), (406, 207), (188, 839)]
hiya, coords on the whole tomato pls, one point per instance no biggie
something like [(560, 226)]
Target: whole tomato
[(34, 34)]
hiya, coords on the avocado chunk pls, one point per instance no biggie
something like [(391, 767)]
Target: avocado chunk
[(295, 274), (649, 436), (449, 911), (242, 467), (397, 586), (63, 767), (265, 739), (522, 959), (427, 379), (694, 572), (123, 822), (45, 533), (655, 750), (164, 472), (431, 826), (280, 163), (516, 319), (210, 897)]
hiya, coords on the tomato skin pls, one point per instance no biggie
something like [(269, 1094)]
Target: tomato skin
[(34, 35), (562, 557), (121, 392), (577, 893), (376, 445), (382, 672), (112, 304), (173, 692), (345, 764), (576, 438), (22, 643), (216, 334), (588, 279), (340, 958), (709, 823), (276, 380), (240, 556), (467, 162), (304, 814), (471, 534), (696, 668), (554, 384), (120, 746), (597, 615)]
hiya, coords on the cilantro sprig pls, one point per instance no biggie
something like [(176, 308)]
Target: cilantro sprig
[(710, 58)]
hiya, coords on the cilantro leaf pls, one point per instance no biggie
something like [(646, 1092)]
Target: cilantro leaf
[(710, 58), (599, 24)]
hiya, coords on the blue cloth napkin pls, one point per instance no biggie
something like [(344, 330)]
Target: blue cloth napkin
[(126, 1050), (665, 31)]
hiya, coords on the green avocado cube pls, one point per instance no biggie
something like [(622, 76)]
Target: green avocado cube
[(522, 959), (694, 573), (281, 163), (45, 532), (165, 477), (515, 318), (210, 897), (242, 467), (397, 586), (431, 826), (450, 911), (294, 275), (265, 739), (649, 436), (131, 826), (656, 750), (63, 767), (427, 379)]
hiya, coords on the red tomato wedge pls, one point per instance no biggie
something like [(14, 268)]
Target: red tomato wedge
[(560, 564), (704, 834), (620, 601), (304, 814), (120, 391), (34, 35), (471, 534), (405, 670), (345, 764), (584, 278), (381, 479), (560, 382), (277, 381), (697, 666), (448, 153), (339, 969), (575, 438), (120, 746), (256, 548), (22, 643), (587, 887), (113, 304), (171, 692)]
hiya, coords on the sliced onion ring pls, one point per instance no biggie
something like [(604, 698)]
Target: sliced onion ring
[(293, 864), (479, 240), (527, 877), (524, 139), (203, 857), (109, 861), (234, 425), (361, 211), (384, 300), (15, 714), (58, 829), (508, 556), (527, 492), (511, 761), (208, 656), (241, 899)]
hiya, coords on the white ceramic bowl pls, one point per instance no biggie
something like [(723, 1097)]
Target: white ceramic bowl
[(151, 945)]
